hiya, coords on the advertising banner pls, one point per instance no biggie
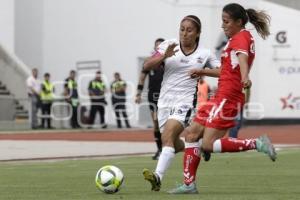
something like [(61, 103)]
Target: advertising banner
[(276, 70)]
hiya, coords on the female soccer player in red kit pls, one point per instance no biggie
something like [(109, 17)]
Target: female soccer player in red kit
[(217, 116)]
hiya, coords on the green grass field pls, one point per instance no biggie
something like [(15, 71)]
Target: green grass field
[(227, 176)]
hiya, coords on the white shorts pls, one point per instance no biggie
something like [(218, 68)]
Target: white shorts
[(181, 113)]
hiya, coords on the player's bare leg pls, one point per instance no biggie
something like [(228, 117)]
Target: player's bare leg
[(213, 141), (170, 136)]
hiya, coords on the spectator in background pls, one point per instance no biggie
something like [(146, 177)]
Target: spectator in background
[(97, 91), (46, 100), (33, 87), (155, 79), (71, 95), (118, 90)]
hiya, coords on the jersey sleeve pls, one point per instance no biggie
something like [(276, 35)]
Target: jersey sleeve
[(161, 49), (212, 61), (240, 44)]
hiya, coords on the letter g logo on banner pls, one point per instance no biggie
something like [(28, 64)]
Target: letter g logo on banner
[(281, 37)]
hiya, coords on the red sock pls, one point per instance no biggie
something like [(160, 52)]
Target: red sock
[(191, 161), (236, 145)]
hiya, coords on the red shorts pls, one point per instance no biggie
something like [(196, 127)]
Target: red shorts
[(218, 113)]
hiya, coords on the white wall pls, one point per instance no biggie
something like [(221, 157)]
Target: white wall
[(116, 32), (29, 32), (7, 24)]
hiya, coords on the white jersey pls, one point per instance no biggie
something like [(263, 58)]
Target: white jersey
[(178, 88)]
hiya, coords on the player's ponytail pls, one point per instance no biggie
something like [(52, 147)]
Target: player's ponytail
[(260, 20)]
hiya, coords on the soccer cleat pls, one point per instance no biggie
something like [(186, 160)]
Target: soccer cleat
[(104, 126), (185, 189), (263, 144), (153, 178), (206, 155), (156, 155)]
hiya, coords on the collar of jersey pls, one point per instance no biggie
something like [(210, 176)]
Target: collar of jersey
[(189, 53)]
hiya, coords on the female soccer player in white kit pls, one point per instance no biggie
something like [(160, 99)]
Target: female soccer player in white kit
[(177, 96)]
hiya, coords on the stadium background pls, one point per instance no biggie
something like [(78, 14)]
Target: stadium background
[(54, 36)]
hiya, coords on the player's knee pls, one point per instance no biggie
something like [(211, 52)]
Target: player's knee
[(179, 146), (191, 136), (167, 140), (207, 146)]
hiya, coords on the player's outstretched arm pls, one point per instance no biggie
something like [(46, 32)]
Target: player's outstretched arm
[(157, 59), (244, 69)]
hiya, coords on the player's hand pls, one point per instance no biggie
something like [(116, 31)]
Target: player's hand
[(247, 83), (170, 50), (195, 73), (138, 98)]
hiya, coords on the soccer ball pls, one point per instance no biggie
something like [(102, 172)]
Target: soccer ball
[(109, 179)]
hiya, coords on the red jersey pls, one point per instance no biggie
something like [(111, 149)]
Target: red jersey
[(229, 84)]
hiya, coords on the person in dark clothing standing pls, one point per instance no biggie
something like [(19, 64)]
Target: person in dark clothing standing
[(46, 95), (155, 79), (97, 91), (71, 94), (118, 90)]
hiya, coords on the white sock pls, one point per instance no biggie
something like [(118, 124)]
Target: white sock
[(164, 161), (191, 145), (217, 147), (200, 143)]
